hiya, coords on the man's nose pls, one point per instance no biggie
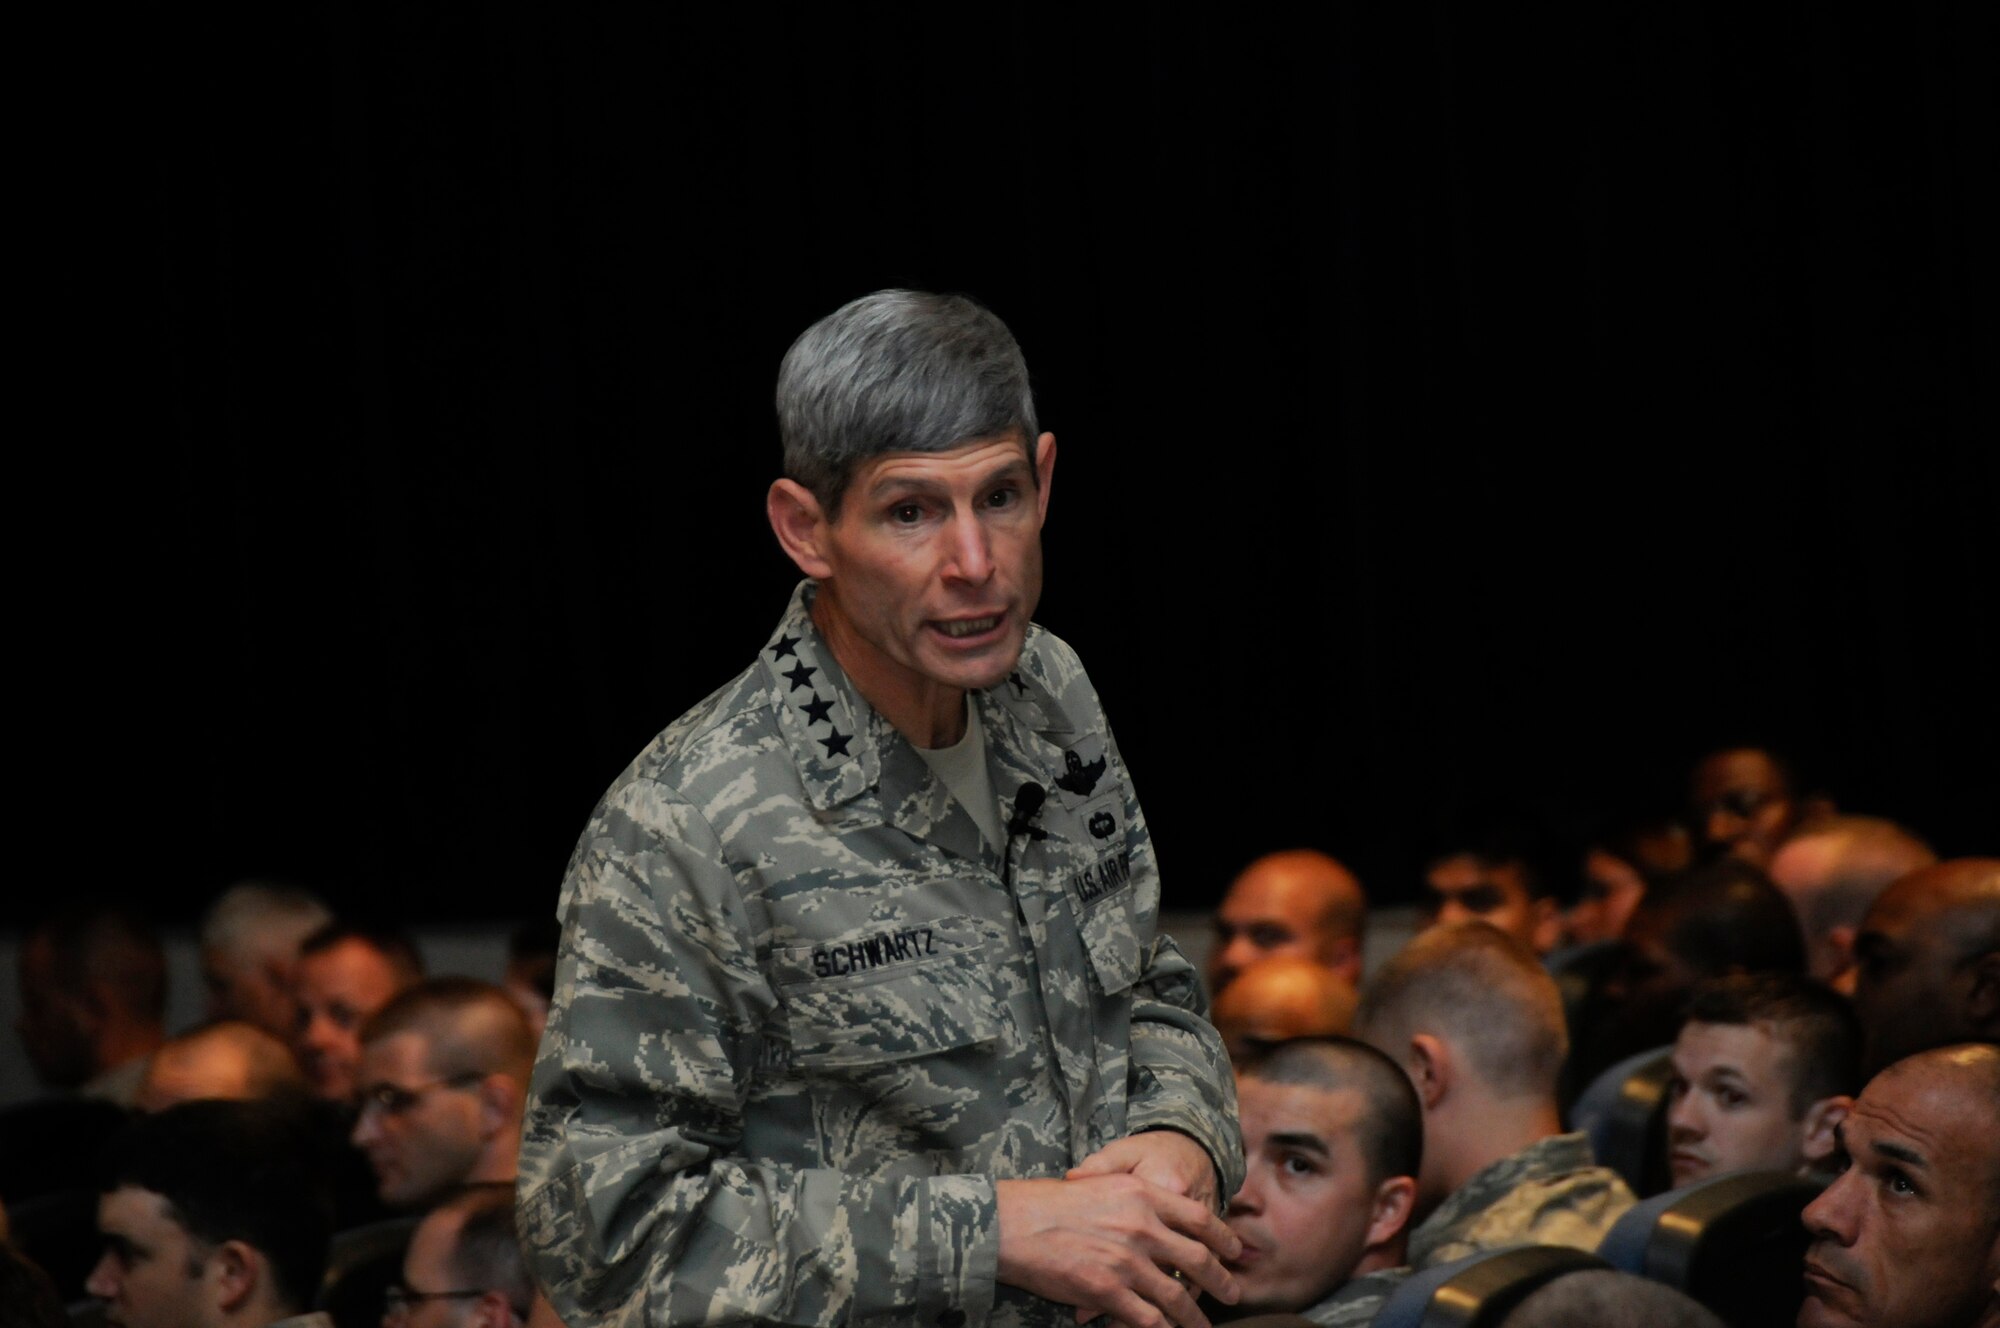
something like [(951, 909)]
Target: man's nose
[(1684, 1121), (1247, 1201), (971, 549), (1724, 827), (103, 1279), (1452, 913), (1832, 1214)]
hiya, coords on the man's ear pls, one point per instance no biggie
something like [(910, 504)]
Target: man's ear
[(1548, 928), (234, 1269), (1389, 1215), (1430, 1069), (800, 525), (1817, 1142), (492, 1311), (1982, 1002), (1045, 471), (500, 1104)]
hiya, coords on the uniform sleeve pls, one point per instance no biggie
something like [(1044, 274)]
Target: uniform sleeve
[(637, 1205), (1180, 1075)]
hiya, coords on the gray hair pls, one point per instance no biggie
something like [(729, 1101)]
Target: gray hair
[(897, 371), (263, 917)]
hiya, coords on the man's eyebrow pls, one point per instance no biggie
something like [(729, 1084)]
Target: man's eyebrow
[(1901, 1152), (1300, 1139), (1015, 468)]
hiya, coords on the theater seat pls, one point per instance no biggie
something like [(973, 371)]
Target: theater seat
[(1478, 1290), (1733, 1242), (1624, 1111)]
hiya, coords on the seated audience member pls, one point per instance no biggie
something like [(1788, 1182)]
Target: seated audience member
[(444, 1075), (464, 1266), (1275, 1000), (210, 1220), (1765, 1069), (1710, 922), (1475, 1021), (1927, 961), (1333, 1140), (1622, 856), (1299, 903), (1497, 871), (1832, 871), (1601, 1298), (1744, 802), (1908, 1235), (531, 969), (345, 974), (93, 1000), (232, 1059), (250, 940)]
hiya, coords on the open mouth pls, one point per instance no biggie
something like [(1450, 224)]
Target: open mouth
[(960, 628)]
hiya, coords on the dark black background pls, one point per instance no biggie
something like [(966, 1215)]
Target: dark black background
[(1452, 405)]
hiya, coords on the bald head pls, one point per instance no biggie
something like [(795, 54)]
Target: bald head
[(1299, 903), (233, 1060), (1277, 999), (1927, 961), (1483, 992), (1833, 870)]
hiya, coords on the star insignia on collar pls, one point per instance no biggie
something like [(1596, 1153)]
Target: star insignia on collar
[(819, 710), (785, 647), (836, 745), (802, 675)]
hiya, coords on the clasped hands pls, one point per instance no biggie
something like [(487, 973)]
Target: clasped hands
[(1131, 1232)]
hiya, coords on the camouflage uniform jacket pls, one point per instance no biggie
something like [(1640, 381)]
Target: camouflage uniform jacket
[(805, 1017), (1358, 1299), (1549, 1193)]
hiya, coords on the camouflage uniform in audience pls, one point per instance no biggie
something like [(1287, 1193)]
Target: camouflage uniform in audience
[(1357, 1301), (1549, 1193), (805, 1017)]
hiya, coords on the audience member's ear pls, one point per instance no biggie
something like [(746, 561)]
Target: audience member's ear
[(500, 1104), (1840, 949), (1822, 1119), (1395, 1200), (492, 1311), (234, 1270), (1982, 1003), (1430, 1068)]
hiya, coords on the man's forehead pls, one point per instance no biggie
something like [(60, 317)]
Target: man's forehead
[(400, 1055), (130, 1209), (1931, 1114), (972, 460), (1751, 1049), (1271, 1108)]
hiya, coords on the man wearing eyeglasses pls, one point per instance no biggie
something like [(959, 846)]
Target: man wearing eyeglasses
[(444, 1071), (463, 1267)]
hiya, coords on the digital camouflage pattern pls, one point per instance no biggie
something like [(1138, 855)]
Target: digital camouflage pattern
[(805, 1018), (1358, 1299), (1549, 1193)]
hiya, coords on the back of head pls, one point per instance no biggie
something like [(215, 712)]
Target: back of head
[(897, 371), (229, 1059), (233, 1171), (1721, 918), (262, 918), (469, 1027), (1483, 992), (1815, 1023), (487, 1253), (1599, 1297), (1833, 869), (1274, 1000), (1392, 1134)]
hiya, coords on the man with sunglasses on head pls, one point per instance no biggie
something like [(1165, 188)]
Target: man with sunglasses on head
[(444, 1073)]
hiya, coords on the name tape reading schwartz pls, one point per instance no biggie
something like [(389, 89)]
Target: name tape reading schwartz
[(890, 947)]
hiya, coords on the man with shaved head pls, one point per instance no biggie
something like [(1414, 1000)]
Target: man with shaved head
[(1832, 871), (1477, 1024), (444, 1075), (1333, 1141), (233, 1059), (1927, 961), (1280, 998), (1299, 903), (1908, 1236)]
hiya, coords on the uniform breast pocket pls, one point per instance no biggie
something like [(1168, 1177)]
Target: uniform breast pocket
[(888, 995), (1112, 939)]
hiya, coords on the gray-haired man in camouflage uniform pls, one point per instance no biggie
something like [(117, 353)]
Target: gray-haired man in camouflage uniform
[(860, 1013)]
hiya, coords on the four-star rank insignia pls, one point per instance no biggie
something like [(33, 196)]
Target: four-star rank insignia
[(836, 743), (819, 710), (802, 675), (785, 647)]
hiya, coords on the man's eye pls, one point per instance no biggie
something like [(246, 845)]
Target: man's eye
[(1295, 1165), (1731, 1097), (1677, 1089), (1266, 937), (906, 514), (1003, 498), (1899, 1182)]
